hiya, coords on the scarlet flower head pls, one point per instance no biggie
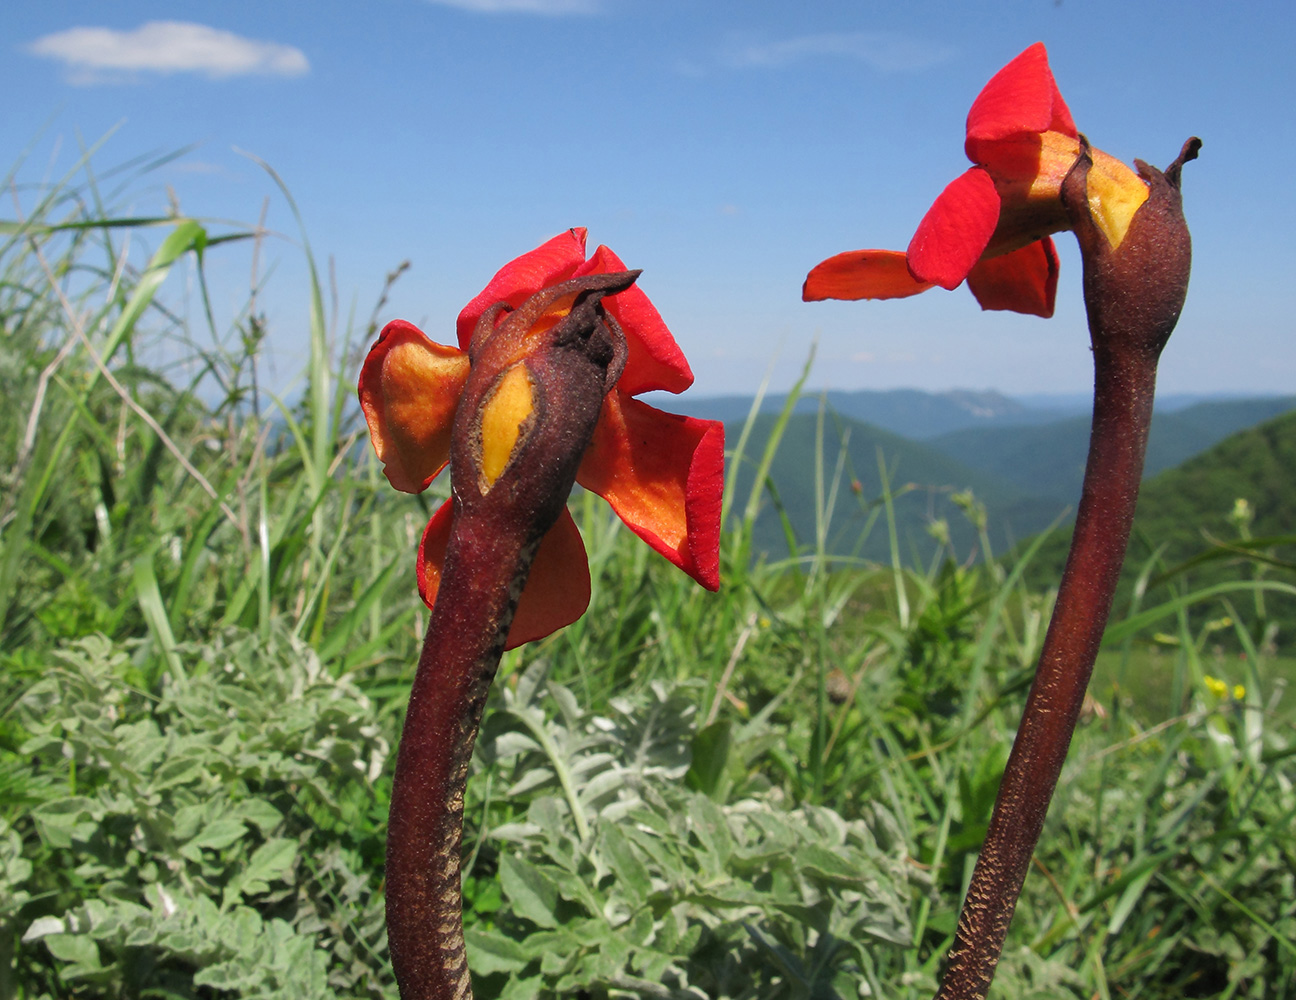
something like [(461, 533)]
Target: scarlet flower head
[(661, 472), (992, 225)]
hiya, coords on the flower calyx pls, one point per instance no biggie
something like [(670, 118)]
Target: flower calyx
[(661, 472), (535, 388), (1134, 285)]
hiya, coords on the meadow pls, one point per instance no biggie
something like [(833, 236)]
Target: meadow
[(208, 626)]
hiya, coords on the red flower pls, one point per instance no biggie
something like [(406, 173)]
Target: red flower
[(992, 225), (662, 473)]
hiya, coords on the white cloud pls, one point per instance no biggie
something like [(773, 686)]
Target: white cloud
[(884, 51), (103, 55), (549, 8)]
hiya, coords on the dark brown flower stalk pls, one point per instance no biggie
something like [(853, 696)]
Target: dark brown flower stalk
[(1033, 175), (541, 389), (1134, 291), (529, 407)]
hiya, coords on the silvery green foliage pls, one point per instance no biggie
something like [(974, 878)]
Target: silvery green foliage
[(15, 870), (660, 890), (184, 846)]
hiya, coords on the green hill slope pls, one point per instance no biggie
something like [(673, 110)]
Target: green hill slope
[(927, 478), (1257, 465), (1182, 508), (1048, 460), (912, 413)]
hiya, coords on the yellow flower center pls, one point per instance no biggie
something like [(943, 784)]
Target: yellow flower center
[(504, 418), (1028, 172), (1115, 194)]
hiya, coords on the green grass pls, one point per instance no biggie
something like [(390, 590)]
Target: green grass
[(1219, 524), (1145, 680), (208, 625)]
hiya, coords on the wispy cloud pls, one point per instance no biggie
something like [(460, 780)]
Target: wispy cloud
[(103, 55), (548, 8), (883, 51)]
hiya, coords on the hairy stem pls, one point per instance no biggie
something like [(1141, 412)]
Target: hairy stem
[(1123, 391), (566, 354), (1134, 289), (465, 639)]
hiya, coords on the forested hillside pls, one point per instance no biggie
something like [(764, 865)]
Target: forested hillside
[(802, 506), (1049, 459), (1239, 493), (1025, 476)]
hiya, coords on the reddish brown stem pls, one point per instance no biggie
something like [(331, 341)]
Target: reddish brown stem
[(570, 355), (465, 639), (1123, 394), (1134, 289)]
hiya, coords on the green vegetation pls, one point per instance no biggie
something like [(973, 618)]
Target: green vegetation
[(1221, 522), (1026, 476), (829, 473), (1048, 460), (208, 625)]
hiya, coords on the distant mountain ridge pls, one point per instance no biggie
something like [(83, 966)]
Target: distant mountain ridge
[(1023, 466), (921, 416), (911, 413), (1180, 509), (1049, 459), (923, 479)]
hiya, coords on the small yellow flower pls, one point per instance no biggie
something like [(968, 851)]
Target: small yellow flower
[(1216, 686), (1239, 692)]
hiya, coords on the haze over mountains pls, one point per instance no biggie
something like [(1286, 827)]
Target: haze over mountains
[(1022, 459)]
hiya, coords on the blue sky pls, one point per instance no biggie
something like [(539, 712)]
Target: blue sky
[(724, 147)]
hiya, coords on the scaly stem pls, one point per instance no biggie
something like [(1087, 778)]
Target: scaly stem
[(465, 639), (1134, 290), (1123, 394), (532, 398)]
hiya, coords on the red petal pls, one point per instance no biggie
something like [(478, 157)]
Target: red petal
[(862, 274), (431, 553), (664, 476), (654, 360), (1023, 281), (409, 389), (518, 280), (556, 593), (955, 231), (1021, 97)]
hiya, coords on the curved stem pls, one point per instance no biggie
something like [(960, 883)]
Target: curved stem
[(1134, 288), (485, 572), (559, 355), (1124, 383)]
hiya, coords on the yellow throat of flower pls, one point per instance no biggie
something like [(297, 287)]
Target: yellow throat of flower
[(505, 416), (1115, 193)]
